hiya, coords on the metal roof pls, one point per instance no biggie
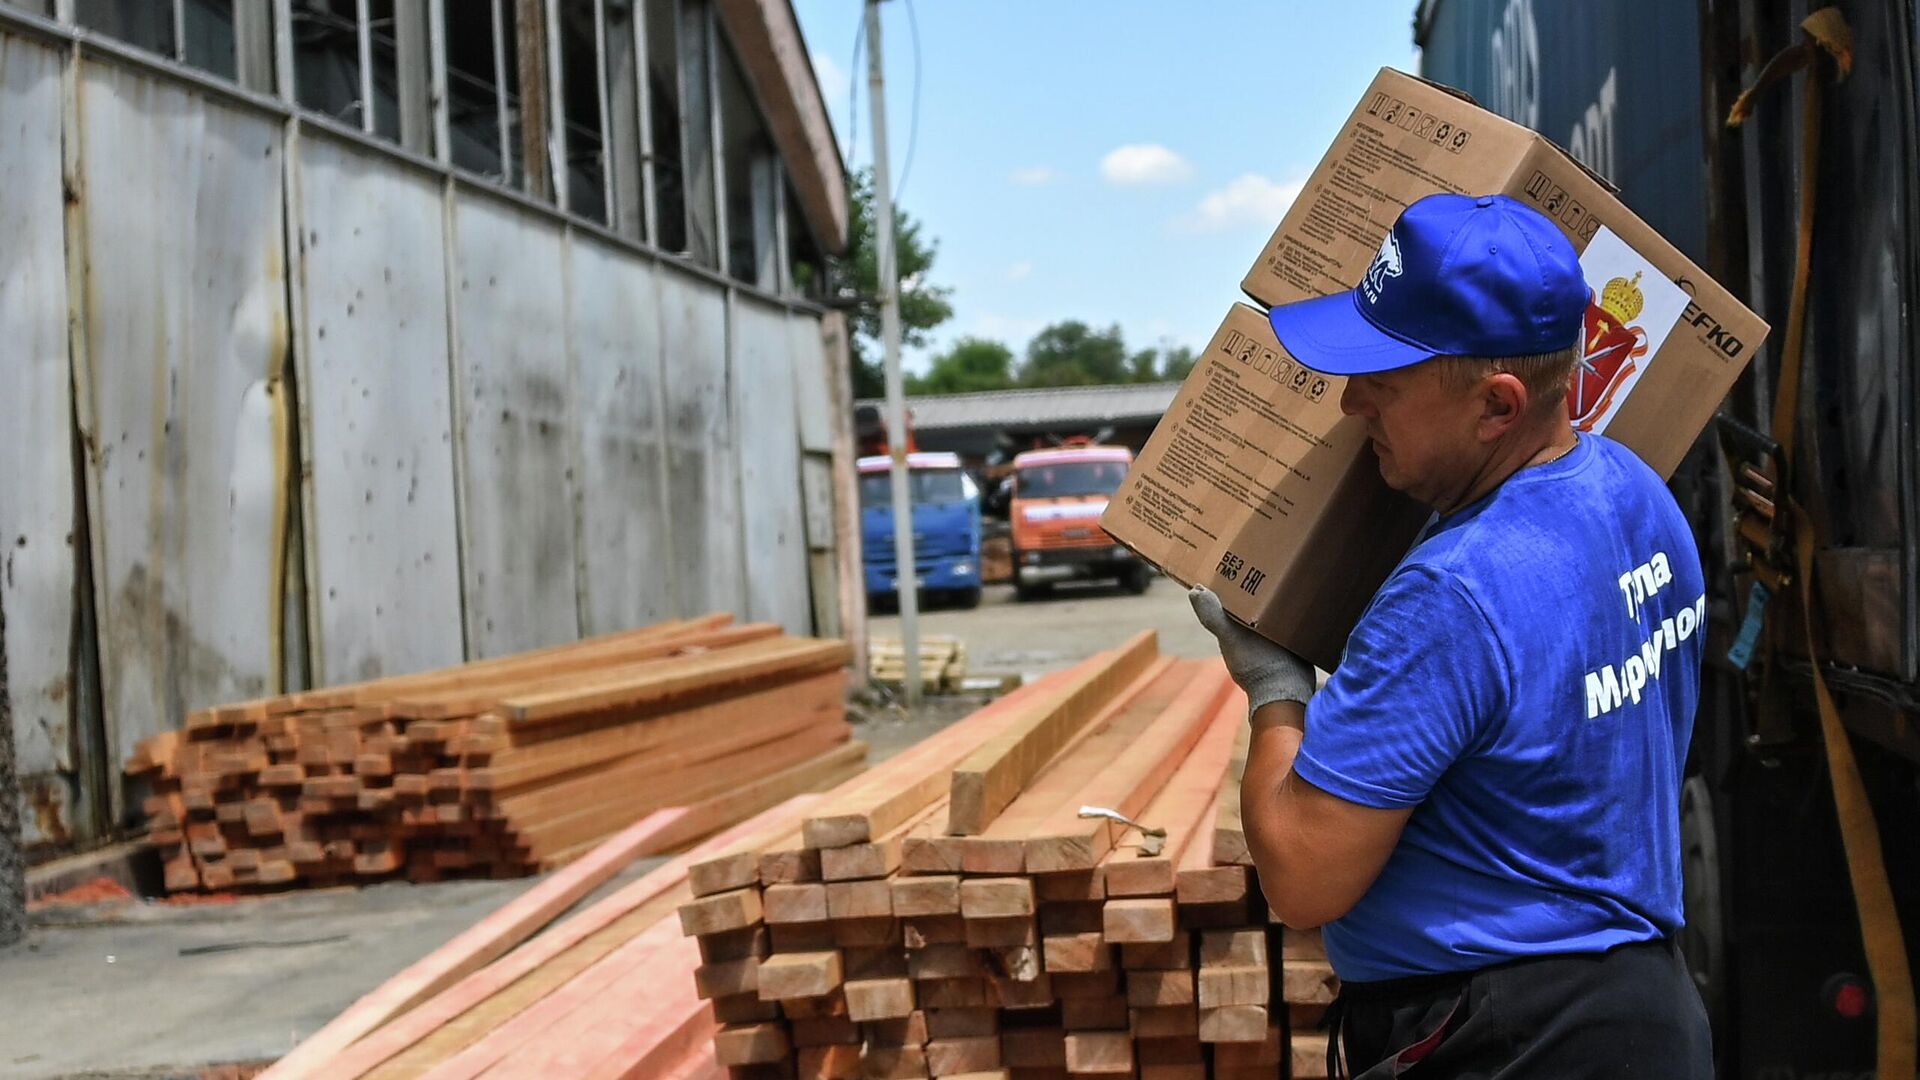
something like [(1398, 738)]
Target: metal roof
[(1064, 406)]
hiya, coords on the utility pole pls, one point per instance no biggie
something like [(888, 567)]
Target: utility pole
[(907, 576)]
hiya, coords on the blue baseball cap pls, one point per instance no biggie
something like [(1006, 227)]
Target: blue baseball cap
[(1457, 276)]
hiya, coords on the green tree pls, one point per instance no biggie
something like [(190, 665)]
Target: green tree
[(857, 274), (1071, 353), (1176, 363), (1144, 366), (973, 364)]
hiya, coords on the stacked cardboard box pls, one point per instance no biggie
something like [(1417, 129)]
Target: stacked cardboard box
[(1257, 486), (499, 767)]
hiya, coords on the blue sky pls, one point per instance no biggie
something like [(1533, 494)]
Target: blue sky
[(1104, 160)]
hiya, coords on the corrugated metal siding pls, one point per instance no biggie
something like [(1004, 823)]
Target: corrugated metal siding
[(384, 544), (36, 456), (516, 409), (774, 524), (501, 431), (186, 331), (624, 513), (703, 491)]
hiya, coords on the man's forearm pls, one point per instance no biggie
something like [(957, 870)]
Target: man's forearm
[(1277, 730)]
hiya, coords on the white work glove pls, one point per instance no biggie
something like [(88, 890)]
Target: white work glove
[(1267, 672)]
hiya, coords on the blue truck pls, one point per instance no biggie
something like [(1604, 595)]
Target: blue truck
[(946, 529)]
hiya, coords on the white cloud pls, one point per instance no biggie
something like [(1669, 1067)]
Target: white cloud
[(1035, 176), (1249, 200), (1020, 271), (1140, 164)]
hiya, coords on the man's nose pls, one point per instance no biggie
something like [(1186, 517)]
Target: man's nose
[(1352, 400)]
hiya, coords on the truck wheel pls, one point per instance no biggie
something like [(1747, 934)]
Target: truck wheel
[(967, 598), (1703, 939), (1136, 578)]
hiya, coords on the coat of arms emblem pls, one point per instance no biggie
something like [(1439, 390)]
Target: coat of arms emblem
[(1610, 351)]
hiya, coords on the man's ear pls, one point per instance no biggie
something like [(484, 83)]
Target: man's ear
[(1503, 404)]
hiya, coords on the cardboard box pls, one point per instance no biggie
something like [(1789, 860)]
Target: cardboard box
[(1256, 486)]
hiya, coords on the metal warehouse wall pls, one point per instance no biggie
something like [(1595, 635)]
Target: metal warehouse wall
[(286, 408)]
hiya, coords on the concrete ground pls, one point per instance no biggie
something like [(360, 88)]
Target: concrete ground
[(150, 990), (147, 990), (1005, 636)]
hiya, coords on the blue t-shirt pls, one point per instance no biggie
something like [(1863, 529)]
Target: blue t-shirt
[(1526, 681)]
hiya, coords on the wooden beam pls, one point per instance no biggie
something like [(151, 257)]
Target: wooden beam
[(1184, 808), (477, 986), (1068, 841), (993, 776), (894, 792), (476, 946)]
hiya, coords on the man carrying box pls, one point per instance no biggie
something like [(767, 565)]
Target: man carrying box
[(1482, 805)]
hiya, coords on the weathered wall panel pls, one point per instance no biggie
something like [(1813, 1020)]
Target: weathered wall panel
[(36, 456), (702, 455), (515, 395), (774, 527), (185, 335), (382, 535), (613, 318)]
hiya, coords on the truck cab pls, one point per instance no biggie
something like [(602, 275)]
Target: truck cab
[(946, 528), (1058, 496)]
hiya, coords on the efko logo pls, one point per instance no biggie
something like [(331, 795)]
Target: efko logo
[(1386, 264)]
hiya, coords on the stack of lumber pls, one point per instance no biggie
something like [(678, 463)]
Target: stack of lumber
[(499, 767), (533, 991), (943, 662), (1057, 886)]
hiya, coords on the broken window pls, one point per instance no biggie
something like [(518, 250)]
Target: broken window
[(624, 137), (384, 51), (145, 23), (807, 267), (580, 81), (663, 75), (207, 30), (326, 58), (747, 162), (474, 83)]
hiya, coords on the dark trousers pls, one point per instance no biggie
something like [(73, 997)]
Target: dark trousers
[(1631, 1011)]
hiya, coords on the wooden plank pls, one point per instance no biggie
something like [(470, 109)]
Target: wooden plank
[(774, 710), (985, 781), (476, 694), (913, 779), (823, 765), (1184, 808), (428, 1017), (658, 949), (1001, 847), (1068, 841), (475, 947), (653, 684), (1229, 835), (596, 650)]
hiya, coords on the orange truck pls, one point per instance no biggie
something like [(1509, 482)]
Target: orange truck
[(1055, 513)]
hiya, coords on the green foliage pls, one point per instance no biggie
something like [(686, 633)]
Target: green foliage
[(973, 364), (922, 306), (1071, 353)]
